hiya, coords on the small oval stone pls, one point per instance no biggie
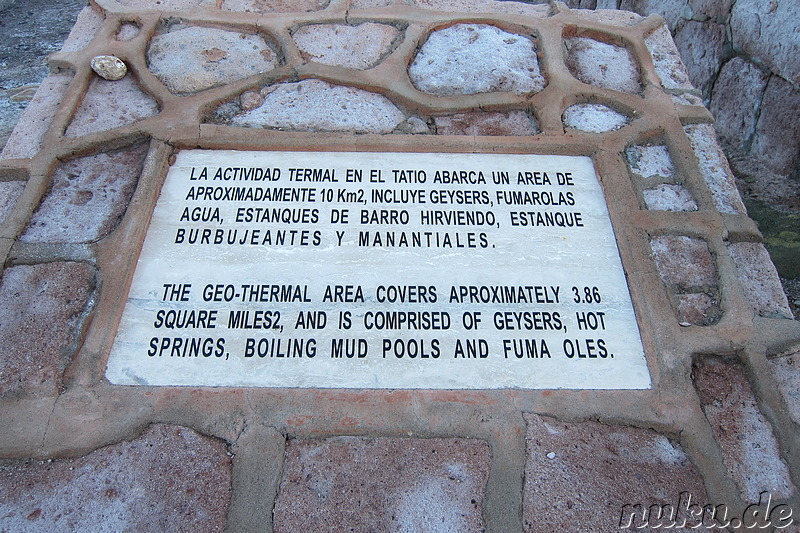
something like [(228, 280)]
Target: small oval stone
[(110, 68)]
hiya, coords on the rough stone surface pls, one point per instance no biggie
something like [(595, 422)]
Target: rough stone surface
[(672, 11), (593, 118), (487, 123), (667, 60), (383, 484), (274, 6), (768, 30), (698, 308), (787, 372), (714, 168), (735, 101), (9, 194), (26, 139), (650, 161), (749, 449), (109, 68), (476, 58), (316, 105), (777, 141), (41, 313), (486, 6), (190, 59), (168, 479), (668, 197), (584, 472), (700, 45), (603, 65), (127, 31), (684, 262), (170, 5), (760, 279), (111, 104), (88, 198), (359, 47)]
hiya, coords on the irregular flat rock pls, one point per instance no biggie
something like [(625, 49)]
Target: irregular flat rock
[(88, 198), (110, 104), (650, 161), (316, 105), (603, 65), (487, 123), (476, 58), (668, 197), (683, 261), (750, 451), (384, 484), (274, 6), (41, 312), (714, 168), (760, 279), (9, 194), (586, 473), (359, 47), (168, 479), (486, 6), (188, 59), (667, 60), (593, 118)]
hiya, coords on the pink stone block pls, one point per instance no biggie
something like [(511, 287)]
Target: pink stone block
[(168, 479), (476, 58), (603, 65), (359, 47), (487, 123), (760, 279), (683, 262), (42, 310), (750, 451), (274, 6), (363, 485), (88, 198), (9, 194), (579, 476), (111, 104)]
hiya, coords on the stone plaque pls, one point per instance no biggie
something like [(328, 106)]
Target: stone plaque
[(380, 270)]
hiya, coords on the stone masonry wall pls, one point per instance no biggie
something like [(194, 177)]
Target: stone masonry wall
[(744, 56)]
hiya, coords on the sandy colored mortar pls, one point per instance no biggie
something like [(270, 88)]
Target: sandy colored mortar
[(75, 412)]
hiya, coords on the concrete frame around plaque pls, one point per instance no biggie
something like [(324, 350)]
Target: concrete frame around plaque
[(355, 270)]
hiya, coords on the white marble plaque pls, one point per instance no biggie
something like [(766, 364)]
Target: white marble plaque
[(380, 270)]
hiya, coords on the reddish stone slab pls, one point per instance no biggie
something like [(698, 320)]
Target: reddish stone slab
[(359, 484), (42, 309), (169, 479), (750, 451), (88, 198), (578, 476)]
